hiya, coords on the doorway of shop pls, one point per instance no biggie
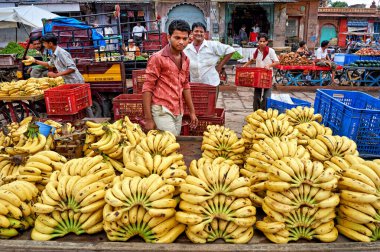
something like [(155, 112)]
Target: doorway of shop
[(248, 15)]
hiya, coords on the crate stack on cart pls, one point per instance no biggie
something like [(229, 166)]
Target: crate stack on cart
[(203, 96), (68, 102)]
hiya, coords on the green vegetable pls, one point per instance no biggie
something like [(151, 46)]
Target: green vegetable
[(13, 48), (236, 56)]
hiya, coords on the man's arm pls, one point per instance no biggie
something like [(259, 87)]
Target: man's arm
[(226, 58), (42, 63), (66, 72), (147, 104), (189, 103)]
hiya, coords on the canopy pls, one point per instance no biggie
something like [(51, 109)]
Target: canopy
[(29, 15)]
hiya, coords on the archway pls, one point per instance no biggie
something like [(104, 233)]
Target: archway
[(187, 12)]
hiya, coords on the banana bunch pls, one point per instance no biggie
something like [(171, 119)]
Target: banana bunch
[(323, 148), (237, 212), (307, 223), (98, 166), (172, 168), (5, 139), (214, 191), (30, 144), (219, 141), (39, 167), (262, 157), (300, 115), (110, 144), (9, 168), (253, 123), (217, 228), (28, 61), (293, 172), (32, 86), (151, 193), (132, 132), (81, 194), (359, 210), (16, 215), (58, 224), (138, 221), (310, 131)]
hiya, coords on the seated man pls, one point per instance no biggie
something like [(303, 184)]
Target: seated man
[(38, 71), (132, 50), (323, 60)]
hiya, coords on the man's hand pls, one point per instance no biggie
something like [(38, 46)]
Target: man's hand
[(219, 69), (52, 75), (150, 124), (193, 121)]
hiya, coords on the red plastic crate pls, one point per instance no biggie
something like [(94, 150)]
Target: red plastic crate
[(128, 105), (253, 77), (138, 79), (67, 99), (218, 118), (203, 97), (68, 118)]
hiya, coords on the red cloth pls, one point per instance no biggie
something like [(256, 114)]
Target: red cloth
[(265, 52), (253, 36), (165, 81)]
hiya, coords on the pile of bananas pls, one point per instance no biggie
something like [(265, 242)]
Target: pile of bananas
[(311, 130), (141, 206), (300, 115), (32, 86), (299, 202), (324, 147), (16, 215), (359, 210), (97, 165), (5, 139), (263, 155), (214, 195), (10, 135), (253, 123), (69, 204), (132, 132), (219, 141)]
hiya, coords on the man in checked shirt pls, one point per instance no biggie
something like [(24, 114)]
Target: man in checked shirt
[(62, 61), (167, 83)]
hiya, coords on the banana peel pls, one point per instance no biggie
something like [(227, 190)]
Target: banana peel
[(29, 60)]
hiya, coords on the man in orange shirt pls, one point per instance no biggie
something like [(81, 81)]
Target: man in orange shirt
[(167, 83)]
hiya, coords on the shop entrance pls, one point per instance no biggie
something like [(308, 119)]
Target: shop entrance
[(249, 15)]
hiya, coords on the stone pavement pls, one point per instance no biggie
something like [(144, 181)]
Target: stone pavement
[(238, 104)]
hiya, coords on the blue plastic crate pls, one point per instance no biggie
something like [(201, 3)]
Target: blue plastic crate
[(282, 106), (352, 114)]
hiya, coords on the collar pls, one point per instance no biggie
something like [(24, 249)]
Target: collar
[(204, 44), (167, 53), (56, 50)]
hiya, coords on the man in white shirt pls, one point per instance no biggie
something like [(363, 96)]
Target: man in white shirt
[(265, 57), (323, 60), (138, 33), (207, 57)]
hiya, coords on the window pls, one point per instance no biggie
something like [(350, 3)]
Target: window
[(292, 27)]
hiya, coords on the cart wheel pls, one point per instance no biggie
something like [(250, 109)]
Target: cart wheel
[(5, 118), (96, 109), (23, 110), (372, 78), (107, 108), (280, 77)]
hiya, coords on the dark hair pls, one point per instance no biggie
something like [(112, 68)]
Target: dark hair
[(34, 39), (179, 25), (263, 35), (324, 43), (198, 24), (49, 37), (302, 43)]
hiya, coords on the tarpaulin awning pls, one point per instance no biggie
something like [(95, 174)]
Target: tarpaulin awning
[(28, 15)]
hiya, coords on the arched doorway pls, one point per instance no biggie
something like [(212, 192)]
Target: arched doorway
[(328, 32), (187, 12)]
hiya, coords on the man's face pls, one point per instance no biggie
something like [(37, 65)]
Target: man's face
[(199, 34), (48, 45), (179, 40), (263, 43), (37, 45)]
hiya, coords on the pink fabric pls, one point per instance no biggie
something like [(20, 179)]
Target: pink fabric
[(165, 81)]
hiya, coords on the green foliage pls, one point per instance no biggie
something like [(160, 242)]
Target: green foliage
[(339, 4), (13, 48)]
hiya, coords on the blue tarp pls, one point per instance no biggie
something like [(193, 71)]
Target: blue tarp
[(97, 38)]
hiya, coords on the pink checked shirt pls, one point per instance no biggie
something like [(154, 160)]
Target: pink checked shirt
[(165, 81)]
